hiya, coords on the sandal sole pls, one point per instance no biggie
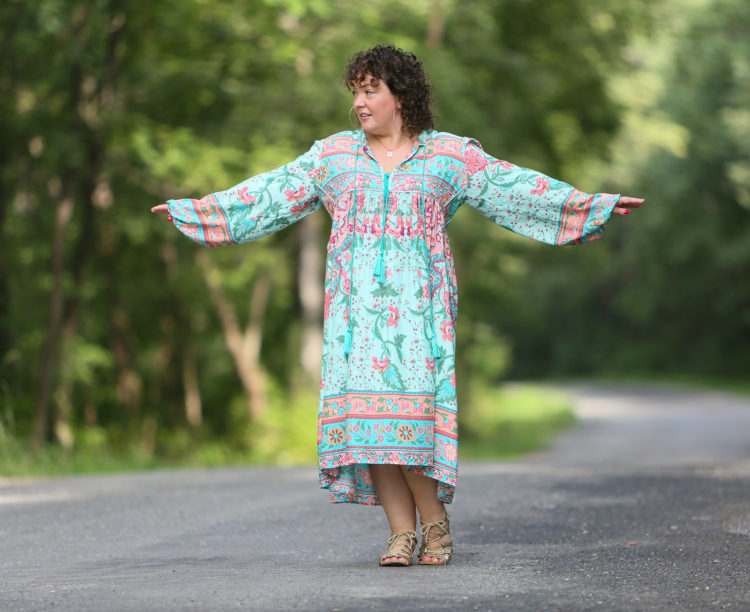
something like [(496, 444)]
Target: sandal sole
[(394, 564)]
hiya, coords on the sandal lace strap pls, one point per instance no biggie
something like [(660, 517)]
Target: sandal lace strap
[(401, 544), (432, 533)]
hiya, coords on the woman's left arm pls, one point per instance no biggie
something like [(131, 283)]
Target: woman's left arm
[(534, 205)]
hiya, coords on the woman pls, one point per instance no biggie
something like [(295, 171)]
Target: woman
[(387, 429)]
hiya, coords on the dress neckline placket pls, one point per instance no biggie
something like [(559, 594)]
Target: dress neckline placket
[(367, 149)]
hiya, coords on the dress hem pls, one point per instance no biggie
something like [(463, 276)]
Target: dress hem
[(351, 482)]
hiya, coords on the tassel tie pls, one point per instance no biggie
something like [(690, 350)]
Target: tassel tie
[(379, 270), (349, 333), (430, 331)]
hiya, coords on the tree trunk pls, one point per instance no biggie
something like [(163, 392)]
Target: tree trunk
[(244, 346), (257, 396), (47, 358), (436, 25), (310, 287), (62, 413), (87, 112), (193, 408), (129, 387), (5, 332)]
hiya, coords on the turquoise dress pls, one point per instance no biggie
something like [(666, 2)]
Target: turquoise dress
[(388, 384)]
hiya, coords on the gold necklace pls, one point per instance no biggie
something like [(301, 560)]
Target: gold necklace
[(389, 153)]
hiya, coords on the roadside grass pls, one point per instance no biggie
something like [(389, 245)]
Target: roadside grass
[(674, 382), (501, 422), (16, 459), (286, 435), (686, 382), (511, 420)]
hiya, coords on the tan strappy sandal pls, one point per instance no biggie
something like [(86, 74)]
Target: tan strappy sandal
[(432, 533), (401, 545)]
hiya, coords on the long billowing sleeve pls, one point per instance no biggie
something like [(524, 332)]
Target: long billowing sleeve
[(530, 203), (255, 208)]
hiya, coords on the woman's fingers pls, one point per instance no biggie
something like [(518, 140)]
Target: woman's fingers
[(626, 204), (160, 209)]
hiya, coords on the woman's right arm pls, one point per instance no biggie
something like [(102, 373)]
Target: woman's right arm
[(255, 208)]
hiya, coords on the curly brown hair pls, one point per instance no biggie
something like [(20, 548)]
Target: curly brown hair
[(406, 79)]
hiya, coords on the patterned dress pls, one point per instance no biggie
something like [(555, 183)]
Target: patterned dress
[(388, 388)]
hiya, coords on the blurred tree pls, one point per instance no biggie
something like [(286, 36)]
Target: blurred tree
[(663, 293), (700, 231)]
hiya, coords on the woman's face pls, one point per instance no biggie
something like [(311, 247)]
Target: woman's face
[(375, 106)]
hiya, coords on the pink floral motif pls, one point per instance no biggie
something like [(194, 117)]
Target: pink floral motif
[(294, 195), (447, 329), (298, 209), (475, 160), (380, 366), (375, 225), (245, 197), (415, 199), (450, 452), (361, 228), (430, 364), (542, 185), (366, 478), (393, 317), (396, 228)]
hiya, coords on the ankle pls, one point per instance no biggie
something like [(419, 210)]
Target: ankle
[(439, 514), (401, 528)]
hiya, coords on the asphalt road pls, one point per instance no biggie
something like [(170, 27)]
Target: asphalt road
[(643, 506)]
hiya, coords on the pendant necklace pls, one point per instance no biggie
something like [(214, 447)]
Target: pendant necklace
[(387, 152)]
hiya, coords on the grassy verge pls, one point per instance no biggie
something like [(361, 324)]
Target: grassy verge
[(86, 457), (690, 383), (511, 420), (685, 382), (286, 435)]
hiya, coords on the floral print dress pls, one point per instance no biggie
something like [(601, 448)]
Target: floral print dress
[(388, 384)]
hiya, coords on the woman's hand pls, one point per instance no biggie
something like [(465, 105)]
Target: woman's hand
[(626, 204), (163, 209)]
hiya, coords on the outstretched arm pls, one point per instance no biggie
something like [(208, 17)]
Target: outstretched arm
[(534, 205), (255, 208)]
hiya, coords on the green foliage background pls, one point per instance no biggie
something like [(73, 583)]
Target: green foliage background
[(108, 107)]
